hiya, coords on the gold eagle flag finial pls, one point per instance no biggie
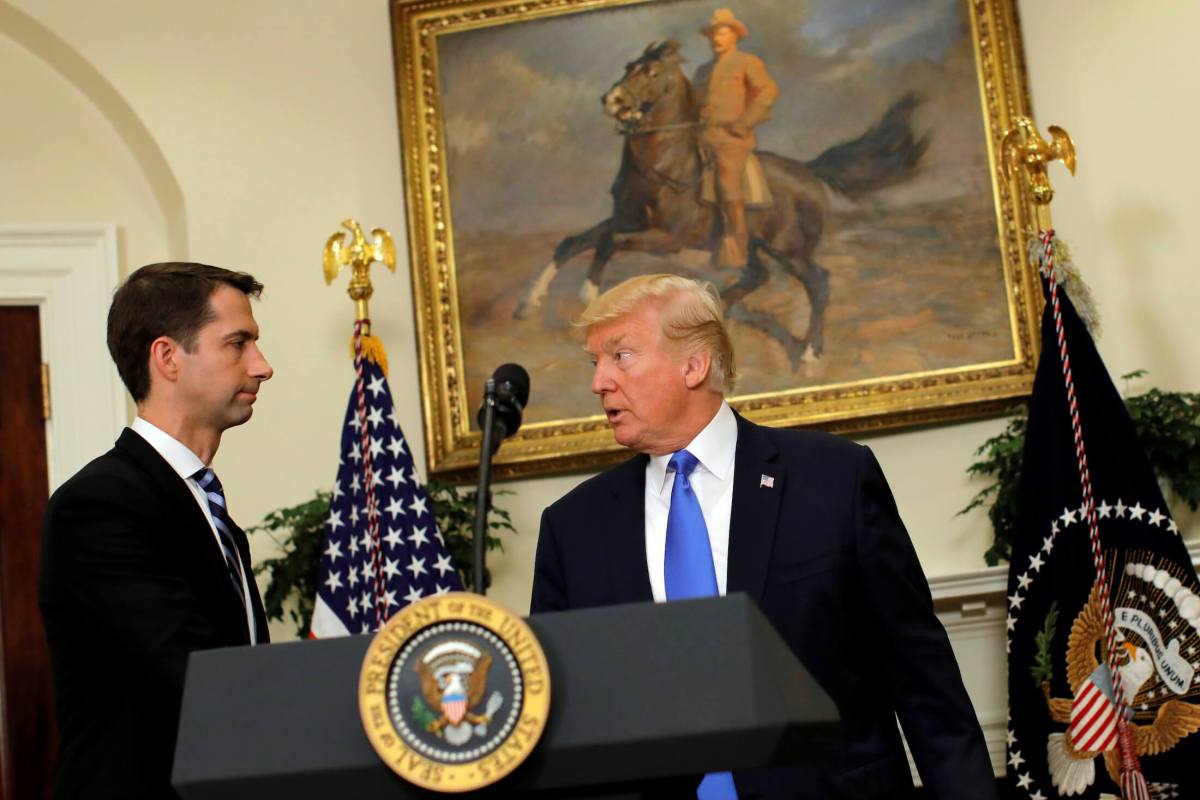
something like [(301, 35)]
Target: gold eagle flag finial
[(1023, 147), (355, 251)]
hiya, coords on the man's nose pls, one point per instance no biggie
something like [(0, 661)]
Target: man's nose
[(260, 368), (601, 382)]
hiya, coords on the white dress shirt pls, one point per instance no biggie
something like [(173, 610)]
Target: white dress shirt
[(186, 464), (712, 480)]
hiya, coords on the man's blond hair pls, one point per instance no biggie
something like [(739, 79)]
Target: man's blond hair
[(692, 318)]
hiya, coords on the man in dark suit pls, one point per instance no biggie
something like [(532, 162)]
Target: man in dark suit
[(141, 562), (801, 521)]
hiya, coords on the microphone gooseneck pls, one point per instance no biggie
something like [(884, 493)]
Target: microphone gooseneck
[(504, 397)]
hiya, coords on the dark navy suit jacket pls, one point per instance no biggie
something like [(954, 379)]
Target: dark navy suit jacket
[(825, 555), (132, 582)]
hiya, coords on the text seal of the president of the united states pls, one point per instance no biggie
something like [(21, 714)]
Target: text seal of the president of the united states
[(454, 692)]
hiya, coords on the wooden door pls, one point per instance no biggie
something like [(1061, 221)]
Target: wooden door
[(28, 740)]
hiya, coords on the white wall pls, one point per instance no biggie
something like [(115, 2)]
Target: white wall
[(277, 120)]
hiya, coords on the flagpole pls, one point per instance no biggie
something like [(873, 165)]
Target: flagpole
[(357, 253), (1025, 153)]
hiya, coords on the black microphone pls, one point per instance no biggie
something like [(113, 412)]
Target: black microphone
[(504, 398), (509, 391)]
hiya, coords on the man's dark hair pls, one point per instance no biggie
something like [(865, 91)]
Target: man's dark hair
[(167, 299)]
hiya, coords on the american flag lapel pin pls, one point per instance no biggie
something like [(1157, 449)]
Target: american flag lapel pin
[(767, 481)]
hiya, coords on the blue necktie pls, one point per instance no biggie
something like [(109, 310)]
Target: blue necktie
[(688, 572), (215, 495)]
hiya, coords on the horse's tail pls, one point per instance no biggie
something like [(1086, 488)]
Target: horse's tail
[(888, 153)]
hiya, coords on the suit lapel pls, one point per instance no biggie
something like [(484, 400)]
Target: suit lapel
[(759, 482), (196, 537), (625, 528)]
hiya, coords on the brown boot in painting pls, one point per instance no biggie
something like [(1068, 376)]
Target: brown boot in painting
[(735, 237)]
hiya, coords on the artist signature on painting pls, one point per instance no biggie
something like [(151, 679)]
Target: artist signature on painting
[(964, 335)]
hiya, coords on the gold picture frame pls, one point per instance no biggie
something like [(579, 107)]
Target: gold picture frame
[(466, 281)]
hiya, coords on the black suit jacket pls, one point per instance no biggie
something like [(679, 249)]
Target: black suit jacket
[(132, 582), (825, 555)]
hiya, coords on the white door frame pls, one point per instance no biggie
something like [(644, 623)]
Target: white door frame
[(70, 273)]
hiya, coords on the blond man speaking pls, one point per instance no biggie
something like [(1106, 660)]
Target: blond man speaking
[(803, 522)]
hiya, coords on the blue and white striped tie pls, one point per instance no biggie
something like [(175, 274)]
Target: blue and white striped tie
[(215, 495)]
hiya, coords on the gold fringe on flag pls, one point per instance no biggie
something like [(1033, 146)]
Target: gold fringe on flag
[(372, 349)]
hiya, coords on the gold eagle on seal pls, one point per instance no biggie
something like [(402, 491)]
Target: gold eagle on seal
[(1073, 770), (450, 699)]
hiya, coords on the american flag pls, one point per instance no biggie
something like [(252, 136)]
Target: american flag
[(369, 572)]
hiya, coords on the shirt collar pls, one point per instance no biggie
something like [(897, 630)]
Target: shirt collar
[(713, 447), (174, 452)]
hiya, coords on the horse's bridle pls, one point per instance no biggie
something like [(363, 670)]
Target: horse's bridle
[(657, 128), (651, 173), (625, 130)]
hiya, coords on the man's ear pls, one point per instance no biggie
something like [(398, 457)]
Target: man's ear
[(164, 359), (696, 369)]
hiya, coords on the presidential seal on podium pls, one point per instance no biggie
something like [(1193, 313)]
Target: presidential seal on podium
[(454, 692)]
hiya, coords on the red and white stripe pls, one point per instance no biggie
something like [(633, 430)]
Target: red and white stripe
[(455, 710), (1093, 720)]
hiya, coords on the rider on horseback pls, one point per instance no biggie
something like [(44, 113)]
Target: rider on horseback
[(734, 94), (661, 202)]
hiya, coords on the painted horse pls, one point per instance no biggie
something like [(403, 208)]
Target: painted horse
[(657, 204)]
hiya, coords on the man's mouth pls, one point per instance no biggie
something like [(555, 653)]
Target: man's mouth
[(613, 415)]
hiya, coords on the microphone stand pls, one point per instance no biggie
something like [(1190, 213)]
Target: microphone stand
[(482, 491)]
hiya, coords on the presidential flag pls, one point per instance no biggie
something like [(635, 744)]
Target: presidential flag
[(1103, 618), (382, 548)]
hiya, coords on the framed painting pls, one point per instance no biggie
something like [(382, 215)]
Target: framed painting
[(551, 149)]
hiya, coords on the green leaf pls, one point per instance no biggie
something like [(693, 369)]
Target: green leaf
[(1042, 669), (1000, 459), (421, 714), (298, 530)]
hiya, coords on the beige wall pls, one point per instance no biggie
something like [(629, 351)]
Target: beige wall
[(61, 160), (276, 120)]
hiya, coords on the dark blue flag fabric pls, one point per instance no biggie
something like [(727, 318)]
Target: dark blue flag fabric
[(375, 563), (1075, 730)]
